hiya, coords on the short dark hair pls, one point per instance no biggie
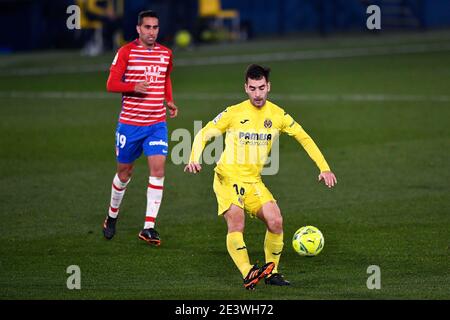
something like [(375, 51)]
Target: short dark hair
[(146, 14), (257, 72)]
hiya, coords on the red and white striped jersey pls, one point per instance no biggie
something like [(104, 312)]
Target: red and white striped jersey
[(135, 63)]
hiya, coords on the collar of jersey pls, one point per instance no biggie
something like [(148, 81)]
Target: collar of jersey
[(251, 106)]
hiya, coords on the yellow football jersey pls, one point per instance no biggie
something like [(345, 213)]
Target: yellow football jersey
[(250, 132)]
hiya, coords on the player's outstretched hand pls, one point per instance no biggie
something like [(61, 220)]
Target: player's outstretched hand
[(141, 87), (193, 167), (328, 178), (173, 109)]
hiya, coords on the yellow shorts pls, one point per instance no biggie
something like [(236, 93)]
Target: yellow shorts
[(248, 196)]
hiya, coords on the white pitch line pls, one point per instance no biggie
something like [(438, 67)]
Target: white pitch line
[(249, 58), (368, 97), (314, 54)]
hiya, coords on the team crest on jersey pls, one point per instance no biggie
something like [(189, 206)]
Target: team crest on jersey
[(151, 73), (267, 123)]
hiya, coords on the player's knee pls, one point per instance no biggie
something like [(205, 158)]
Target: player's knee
[(275, 224), (235, 221), (125, 174), (235, 224)]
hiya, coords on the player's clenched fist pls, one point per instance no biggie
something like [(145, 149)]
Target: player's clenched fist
[(193, 167), (141, 87), (173, 109)]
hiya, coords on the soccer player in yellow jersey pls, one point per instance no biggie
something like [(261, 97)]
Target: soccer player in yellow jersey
[(251, 127)]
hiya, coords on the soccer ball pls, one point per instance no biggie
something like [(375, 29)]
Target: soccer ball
[(183, 39), (308, 241)]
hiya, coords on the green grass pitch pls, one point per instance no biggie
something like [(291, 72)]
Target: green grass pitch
[(390, 208)]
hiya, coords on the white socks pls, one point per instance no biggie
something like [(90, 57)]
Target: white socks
[(154, 197), (117, 192)]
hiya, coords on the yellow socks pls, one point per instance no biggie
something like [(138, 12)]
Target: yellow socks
[(273, 245), (238, 252)]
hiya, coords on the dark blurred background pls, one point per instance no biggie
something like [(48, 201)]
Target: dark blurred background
[(107, 24)]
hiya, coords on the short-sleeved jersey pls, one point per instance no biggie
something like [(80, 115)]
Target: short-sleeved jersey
[(135, 63), (250, 132)]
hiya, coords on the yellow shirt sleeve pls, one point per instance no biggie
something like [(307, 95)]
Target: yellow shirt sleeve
[(292, 128), (214, 128)]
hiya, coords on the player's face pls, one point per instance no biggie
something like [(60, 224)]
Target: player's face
[(257, 91), (148, 31)]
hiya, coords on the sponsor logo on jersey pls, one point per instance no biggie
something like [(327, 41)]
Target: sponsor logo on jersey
[(158, 143), (255, 136)]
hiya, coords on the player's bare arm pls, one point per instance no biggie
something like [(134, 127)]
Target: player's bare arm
[(328, 178), (193, 167)]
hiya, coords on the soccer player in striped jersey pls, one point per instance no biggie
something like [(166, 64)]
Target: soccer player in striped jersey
[(251, 127), (141, 72)]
